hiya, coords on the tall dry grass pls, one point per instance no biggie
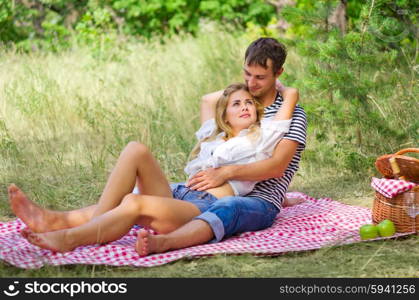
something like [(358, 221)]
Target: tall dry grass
[(65, 117)]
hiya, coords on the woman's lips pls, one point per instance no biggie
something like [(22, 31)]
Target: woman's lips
[(245, 116)]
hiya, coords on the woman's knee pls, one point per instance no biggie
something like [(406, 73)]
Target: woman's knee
[(137, 148), (132, 202)]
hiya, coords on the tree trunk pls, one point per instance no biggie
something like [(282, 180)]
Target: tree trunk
[(281, 25), (339, 18), (38, 19)]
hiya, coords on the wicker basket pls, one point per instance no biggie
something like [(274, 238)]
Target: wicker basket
[(402, 210), (399, 166)]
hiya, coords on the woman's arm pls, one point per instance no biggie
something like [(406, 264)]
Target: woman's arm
[(208, 103), (291, 97), (273, 167)]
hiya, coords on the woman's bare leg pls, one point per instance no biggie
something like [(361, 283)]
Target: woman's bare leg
[(158, 213), (39, 219), (136, 163)]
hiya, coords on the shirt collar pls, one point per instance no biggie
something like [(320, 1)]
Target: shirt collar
[(221, 135), (278, 101)]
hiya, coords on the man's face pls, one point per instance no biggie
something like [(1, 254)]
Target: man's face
[(260, 80)]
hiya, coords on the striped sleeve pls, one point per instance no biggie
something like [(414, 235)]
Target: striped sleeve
[(298, 128)]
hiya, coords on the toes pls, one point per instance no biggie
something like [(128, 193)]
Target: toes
[(142, 243), (36, 240), (12, 189), (29, 235), (25, 232), (142, 233)]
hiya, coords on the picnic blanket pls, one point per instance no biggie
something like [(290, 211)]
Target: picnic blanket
[(313, 224), (391, 187)]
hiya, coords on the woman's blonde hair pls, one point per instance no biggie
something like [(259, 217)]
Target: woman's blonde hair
[(220, 116)]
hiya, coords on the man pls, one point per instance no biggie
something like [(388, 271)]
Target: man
[(263, 64)]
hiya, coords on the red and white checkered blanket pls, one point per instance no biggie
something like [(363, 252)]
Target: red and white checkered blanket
[(314, 224), (391, 187)]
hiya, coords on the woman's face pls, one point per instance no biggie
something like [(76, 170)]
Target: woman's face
[(241, 111)]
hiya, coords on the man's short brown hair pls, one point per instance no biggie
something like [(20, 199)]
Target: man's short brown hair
[(260, 50)]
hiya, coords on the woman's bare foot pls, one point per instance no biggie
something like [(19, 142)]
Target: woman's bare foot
[(149, 244), (35, 217), (54, 240)]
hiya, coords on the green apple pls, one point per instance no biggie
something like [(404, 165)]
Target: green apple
[(368, 231), (386, 228)]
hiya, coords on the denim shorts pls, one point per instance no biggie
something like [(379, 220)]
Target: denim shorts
[(202, 200), (230, 215)]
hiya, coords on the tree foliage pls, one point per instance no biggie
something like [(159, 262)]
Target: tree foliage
[(52, 21), (349, 70)]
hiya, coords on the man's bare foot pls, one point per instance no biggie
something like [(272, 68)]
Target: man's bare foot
[(54, 240), (292, 201), (149, 244), (35, 217)]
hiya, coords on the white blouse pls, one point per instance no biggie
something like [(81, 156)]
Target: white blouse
[(238, 150)]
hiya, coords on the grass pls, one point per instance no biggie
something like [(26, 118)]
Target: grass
[(65, 117), (389, 258)]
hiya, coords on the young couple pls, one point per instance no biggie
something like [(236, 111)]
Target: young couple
[(249, 148)]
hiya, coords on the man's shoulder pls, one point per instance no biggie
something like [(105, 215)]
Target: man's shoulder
[(298, 127), (299, 118), (299, 112)]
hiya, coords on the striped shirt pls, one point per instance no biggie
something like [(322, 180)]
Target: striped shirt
[(273, 190)]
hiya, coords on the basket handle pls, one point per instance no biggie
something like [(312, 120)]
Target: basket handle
[(403, 151), (395, 168), (393, 163)]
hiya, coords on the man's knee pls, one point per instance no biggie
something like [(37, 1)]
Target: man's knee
[(230, 202), (228, 209), (239, 214)]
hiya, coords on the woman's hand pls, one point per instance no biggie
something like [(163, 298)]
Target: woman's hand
[(279, 86), (207, 179)]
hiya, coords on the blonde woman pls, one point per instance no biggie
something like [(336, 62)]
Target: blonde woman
[(239, 135)]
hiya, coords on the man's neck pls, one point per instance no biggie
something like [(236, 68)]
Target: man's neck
[(268, 98)]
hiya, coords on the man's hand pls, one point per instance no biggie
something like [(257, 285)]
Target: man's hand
[(207, 179)]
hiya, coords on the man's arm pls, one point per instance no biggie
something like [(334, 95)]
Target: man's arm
[(208, 103), (272, 167)]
